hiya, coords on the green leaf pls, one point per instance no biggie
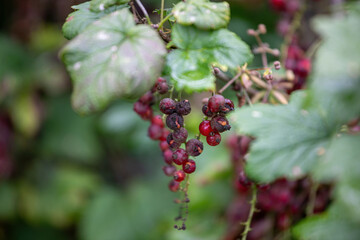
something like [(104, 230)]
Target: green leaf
[(77, 21), (337, 66), (288, 141), (112, 58), (101, 5), (202, 14), (190, 65)]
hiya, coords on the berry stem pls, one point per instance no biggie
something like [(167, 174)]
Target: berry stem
[(164, 20), (312, 198), (230, 82), (161, 14), (247, 98), (141, 6), (251, 214)]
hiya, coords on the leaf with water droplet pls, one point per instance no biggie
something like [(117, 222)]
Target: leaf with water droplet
[(112, 58)]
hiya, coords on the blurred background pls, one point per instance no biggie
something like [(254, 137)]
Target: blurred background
[(63, 176)]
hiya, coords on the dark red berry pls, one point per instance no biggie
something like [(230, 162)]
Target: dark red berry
[(143, 110), (205, 128), (180, 156), (174, 186), (174, 121), (279, 5), (147, 98), (228, 107), (216, 103), (167, 154), (183, 107), (155, 131), (162, 87), (180, 135), (164, 145), (244, 144), (171, 142), (194, 147), (189, 166), (167, 106), (220, 124), (206, 111), (164, 134), (244, 181), (213, 139), (179, 175), (303, 67), (169, 170), (157, 120), (283, 221)]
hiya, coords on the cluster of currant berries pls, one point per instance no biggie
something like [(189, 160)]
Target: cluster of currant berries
[(175, 155), (216, 108)]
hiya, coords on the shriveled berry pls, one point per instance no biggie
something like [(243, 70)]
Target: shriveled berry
[(164, 145), (228, 107), (213, 139), (155, 131), (216, 103), (143, 110), (205, 128), (167, 106), (169, 170), (183, 107), (180, 156), (194, 147), (174, 186), (179, 175), (189, 166), (244, 181), (148, 98), (180, 135), (171, 142), (157, 120), (174, 121), (206, 111), (167, 154), (162, 87), (220, 124)]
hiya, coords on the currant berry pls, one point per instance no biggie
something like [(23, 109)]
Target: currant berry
[(220, 124), (167, 106), (206, 111), (180, 135), (189, 166), (155, 132), (171, 142), (164, 134), (179, 175), (180, 156), (244, 181), (228, 107), (174, 186), (205, 128), (216, 103), (143, 110), (213, 139), (169, 170), (167, 154), (162, 87), (157, 120), (183, 107), (147, 98), (164, 145), (174, 121), (194, 147)]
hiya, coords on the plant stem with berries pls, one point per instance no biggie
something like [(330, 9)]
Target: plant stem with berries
[(251, 213)]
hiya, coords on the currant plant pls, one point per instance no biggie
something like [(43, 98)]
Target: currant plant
[(284, 152)]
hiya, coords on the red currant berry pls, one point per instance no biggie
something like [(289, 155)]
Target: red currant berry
[(157, 120), (189, 166), (205, 128), (143, 110), (220, 124), (183, 107), (180, 156), (179, 175), (279, 5), (147, 98), (206, 111), (155, 132), (216, 103), (174, 121), (167, 106), (164, 145), (164, 134), (167, 154), (180, 135), (162, 87), (169, 170), (228, 107), (194, 147), (174, 186), (213, 139), (172, 143)]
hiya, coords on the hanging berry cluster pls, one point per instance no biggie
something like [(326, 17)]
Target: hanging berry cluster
[(216, 108)]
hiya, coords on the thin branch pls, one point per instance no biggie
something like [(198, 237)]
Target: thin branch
[(312, 198), (251, 214), (162, 13), (141, 6), (164, 21), (229, 82)]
